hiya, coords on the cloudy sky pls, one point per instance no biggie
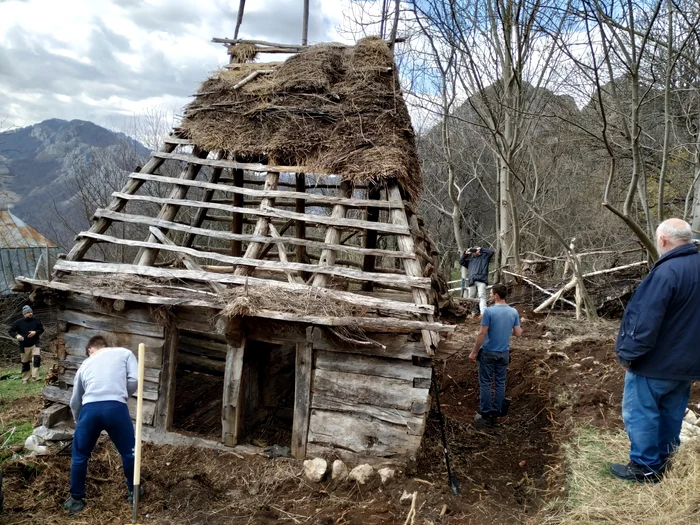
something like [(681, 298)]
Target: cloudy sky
[(110, 60)]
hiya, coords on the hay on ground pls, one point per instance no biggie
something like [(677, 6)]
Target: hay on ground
[(336, 109)]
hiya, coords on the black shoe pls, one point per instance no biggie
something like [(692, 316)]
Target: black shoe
[(74, 505), (480, 422), (130, 495), (634, 472), (504, 407), (493, 421)]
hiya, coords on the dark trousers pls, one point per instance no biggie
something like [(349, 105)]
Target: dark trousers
[(493, 368), (653, 411), (113, 417)]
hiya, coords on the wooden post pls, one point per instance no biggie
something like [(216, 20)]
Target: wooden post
[(332, 236), (302, 395), (138, 429), (305, 25), (233, 394), (300, 226), (48, 264), (369, 262), (165, 406), (237, 223)]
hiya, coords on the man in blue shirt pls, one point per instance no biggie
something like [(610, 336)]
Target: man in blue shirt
[(492, 349)]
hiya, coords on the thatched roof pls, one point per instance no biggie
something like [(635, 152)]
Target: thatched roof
[(336, 109)]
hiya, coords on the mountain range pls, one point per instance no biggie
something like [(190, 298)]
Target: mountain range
[(39, 166)]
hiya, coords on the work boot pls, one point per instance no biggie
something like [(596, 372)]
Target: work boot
[(480, 422), (634, 472), (73, 505), (493, 421), (130, 495)]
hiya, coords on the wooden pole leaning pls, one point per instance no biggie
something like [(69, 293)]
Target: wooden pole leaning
[(139, 425)]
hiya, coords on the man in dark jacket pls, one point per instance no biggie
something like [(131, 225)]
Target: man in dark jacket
[(658, 346), (477, 261), (27, 331)]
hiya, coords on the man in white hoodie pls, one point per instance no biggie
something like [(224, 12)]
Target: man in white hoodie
[(103, 384)]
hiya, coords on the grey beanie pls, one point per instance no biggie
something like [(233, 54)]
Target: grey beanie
[(26, 309)]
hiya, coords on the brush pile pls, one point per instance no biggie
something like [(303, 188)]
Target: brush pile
[(335, 109)]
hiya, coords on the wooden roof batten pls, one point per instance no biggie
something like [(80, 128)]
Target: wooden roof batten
[(258, 224)]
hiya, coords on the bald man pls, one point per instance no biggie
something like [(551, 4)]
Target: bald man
[(658, 347)]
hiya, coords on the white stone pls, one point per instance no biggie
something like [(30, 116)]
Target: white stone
[(339, 471), (386, 474), (690, 430), (32, 444), (405, 497), (57, 433), (315, 469), (690, 417), (361, 473)]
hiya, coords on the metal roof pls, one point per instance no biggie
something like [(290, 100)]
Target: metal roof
[(21, 248)]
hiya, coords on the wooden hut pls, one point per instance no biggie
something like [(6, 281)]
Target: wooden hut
[(282, 283)]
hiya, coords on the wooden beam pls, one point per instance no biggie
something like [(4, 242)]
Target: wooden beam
[(282, 254), (148, 256), (261, 168), (188, 261), (269, 212), (237, 220), (370, 241), (300, 226), (262, 228), (300, 194), (381, 305), (328, 256), (165, 406), (81, 247), (302, 398), (349, 273), (201, 214), (233, 394), (412, 266), (218, 234)]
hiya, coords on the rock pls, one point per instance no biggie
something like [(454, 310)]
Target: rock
[(405, 497), (361, 474), (557, 355), (32, 444), (576, 365), (690, 417), (522, 464), (315, 469), (690, 430), (339, 471), (386, 474), (57, 433)]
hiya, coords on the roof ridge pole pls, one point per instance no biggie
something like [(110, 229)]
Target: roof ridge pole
[(305, 25)]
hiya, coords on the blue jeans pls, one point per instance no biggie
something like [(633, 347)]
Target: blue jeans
[(112, 416), (493, 367), (653, 411)]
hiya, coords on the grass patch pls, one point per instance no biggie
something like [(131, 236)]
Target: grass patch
[(594, 496), (12, 388), (14, 433)]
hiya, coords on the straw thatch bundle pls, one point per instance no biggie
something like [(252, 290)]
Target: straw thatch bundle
[(336, 109)]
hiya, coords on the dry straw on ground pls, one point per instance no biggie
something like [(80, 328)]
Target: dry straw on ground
[(333, 108), (595, 497)]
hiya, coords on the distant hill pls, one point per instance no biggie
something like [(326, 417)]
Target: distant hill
[(38, 164)]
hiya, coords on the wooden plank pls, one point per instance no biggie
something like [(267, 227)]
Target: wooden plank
[(147, 256), (269, 212), (396, 346), (165, 406), (361, 436), (77, 337), (237, 237), (312, 198), (300, 226), (231, 420), (201, 214), (328, 255), (180, 142), (248, 262), (282, 254), (371, 366), (54, 414), (284, 333), (302, 399), (199, 321), (87, 303), (261, 168), (205, 346), (369, 261), (371, 390), (237, 219), (413, 423), (412, 266), (110, 324), (189, 263), (81, 247), (127, 269), (57, 395)]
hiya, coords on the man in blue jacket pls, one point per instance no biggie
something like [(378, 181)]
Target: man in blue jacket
[(477, 261), (658, 346)]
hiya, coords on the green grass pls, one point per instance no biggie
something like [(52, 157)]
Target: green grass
[(14, 433), (11, 388)]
